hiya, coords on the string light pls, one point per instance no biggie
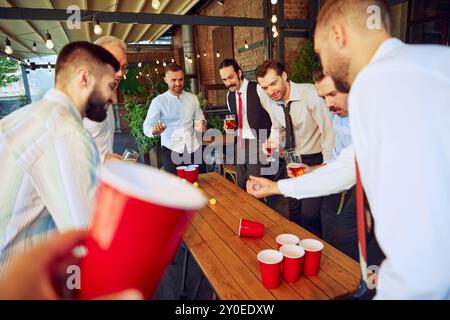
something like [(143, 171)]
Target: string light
[(8, 48), (173, 60), (164, 64), (28, 62), (198, 55), (274, 19), (139, 64), (49, 65), (218, 54), (156, 4), (8, 58), (273, 1), (275, 34), (274, 28), (49, 43), (157, 61), (246, 44), (156, 70), (204, 53), (35, 49), (98, 29), (140, 73)]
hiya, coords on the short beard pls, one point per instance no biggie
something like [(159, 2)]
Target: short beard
[(95, 110), (340, 73)]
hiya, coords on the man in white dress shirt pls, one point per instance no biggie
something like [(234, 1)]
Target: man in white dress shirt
[(399, 107), (103, 132), (176, 115), (49, 160), (307, 129)]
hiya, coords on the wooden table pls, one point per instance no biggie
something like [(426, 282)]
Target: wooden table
[(229, 262)]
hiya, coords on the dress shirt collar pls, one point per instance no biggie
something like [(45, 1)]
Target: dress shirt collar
[(61, 98), (243, 87), (294, 95), (170, 95)]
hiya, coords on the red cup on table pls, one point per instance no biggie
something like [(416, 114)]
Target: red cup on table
[(191, 174), (313, 254), (251, 229), (180, 171), (286, 238), (140, 216), (292, 262), (270, 266)]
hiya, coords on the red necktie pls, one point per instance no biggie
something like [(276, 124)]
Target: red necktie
[(361, 225), (240, 118)]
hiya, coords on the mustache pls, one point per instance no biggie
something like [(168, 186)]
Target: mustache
[(231, 86)]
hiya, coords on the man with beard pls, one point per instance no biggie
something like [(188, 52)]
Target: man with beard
[(103, 132), (49, 160), (400, 124), (308, 130), (176, 115), (249, 104)]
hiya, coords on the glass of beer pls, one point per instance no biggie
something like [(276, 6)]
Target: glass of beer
[(294, 160), (130, 155), (230, 123)]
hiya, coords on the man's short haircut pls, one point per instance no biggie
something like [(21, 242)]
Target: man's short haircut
[(262, 70), (111, 40), (354, 11), (231, 62), (84, 53), (173, 67), (318, 74)]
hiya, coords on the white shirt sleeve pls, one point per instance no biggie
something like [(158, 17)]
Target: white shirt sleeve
[(198, 113), (153, 115), (335, 177)]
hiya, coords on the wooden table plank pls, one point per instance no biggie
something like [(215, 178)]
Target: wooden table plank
[(191, 237), (223, 282), (204, 229)]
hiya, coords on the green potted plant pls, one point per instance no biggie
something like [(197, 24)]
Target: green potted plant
[(306, 63)]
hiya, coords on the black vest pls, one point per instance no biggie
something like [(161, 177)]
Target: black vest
[(257, 116)]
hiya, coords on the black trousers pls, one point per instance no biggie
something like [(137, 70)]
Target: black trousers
[(338, 216), (306, 212), (251, 164), (168, 157)]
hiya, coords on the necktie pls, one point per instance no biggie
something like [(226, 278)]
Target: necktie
[(290, 138), (361, 225), (240, 117)]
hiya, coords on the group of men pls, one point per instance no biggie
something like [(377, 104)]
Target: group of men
[(389, 134)]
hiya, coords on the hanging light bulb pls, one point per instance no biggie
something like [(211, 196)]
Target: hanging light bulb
[(156, 70), (186, 57), (137, 77), (274, 18), (198, 55), (28, 62), (273, 1), (49, 65), (246, 44), (139, 64), (274, 28), (125, 76), (173, 60), (8, 58), (34, 47), (140, 73), (98, 29), (156, 4), (204, 53), (164, 64), (148, 75), (8, 48), (157, 61), (49, 43), (275, 34), (218, 54)]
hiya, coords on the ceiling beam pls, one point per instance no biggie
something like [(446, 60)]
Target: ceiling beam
[(111, 25), (88, 32), (15, 39), (141, 18), (145, 29), (139, 10)]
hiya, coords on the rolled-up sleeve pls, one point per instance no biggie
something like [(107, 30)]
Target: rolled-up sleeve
[(153, 115), (333, 178)]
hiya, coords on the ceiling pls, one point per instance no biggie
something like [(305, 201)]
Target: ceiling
[(22, 33)]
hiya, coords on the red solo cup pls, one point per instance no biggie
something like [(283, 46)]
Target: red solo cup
[(248, 228), (270, 266), (191, 174), (286, 238), (313, 253), (140, 216), (180, 171), (292, 261)]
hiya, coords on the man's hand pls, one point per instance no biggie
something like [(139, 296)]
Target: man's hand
[(200, 126), (261, 187), (41, 273), (113, 156), (158, 128), (306, 169)]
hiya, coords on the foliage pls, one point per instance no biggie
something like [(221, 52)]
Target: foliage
[(8, 72), (215, 122), (203, 101), (307, 62)]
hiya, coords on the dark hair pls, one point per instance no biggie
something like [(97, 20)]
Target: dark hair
[(83, 52), (231, 62), (262, 70), (173, 67), (318, 74)]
